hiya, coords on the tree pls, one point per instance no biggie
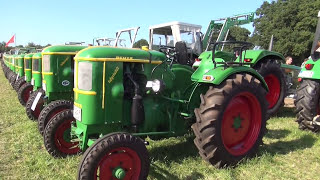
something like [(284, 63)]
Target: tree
[(140, 43), (238, 33), (3, 48), (292, 22)]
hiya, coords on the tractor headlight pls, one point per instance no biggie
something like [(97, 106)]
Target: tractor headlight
[(46, 63), (85, 76), (156, 85)]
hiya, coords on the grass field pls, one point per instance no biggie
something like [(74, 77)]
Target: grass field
[(287, 153)]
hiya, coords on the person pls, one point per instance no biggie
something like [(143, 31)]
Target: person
[(288, 60)]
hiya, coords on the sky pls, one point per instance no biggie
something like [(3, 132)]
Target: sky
[(60, 21)]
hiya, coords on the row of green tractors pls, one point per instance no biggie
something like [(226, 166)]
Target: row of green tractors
[(105, 100)]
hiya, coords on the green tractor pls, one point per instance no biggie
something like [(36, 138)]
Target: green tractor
[(308, 93), (56, 139), (123, 95), (269, 67), (57, 83), (23, 85), (36, 82)]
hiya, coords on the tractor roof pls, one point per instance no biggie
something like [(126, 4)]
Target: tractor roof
[(165, 28)]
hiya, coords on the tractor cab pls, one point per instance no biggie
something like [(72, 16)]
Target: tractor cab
[(125, 40), (74, 43), (128, 37), (169, 34), (315, 50), (105, 41)]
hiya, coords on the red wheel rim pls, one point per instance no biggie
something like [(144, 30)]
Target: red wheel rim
[(53, 113), (274, 89), (241, 123), (26, 94), (123, 157), (62, 138)]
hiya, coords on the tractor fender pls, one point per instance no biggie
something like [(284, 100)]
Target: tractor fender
[(258, 55), (313, 73), (220, 74)]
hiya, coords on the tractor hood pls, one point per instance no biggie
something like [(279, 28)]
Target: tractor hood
[(62, 48), (98, 53)]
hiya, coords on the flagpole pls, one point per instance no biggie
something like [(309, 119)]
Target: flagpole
[(15, 40)]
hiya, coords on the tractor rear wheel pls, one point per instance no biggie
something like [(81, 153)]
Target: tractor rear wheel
[(24, 93), (50, 111), (271, 71), (115, 156), (34, 114), (57, 138), (231, 120), (307, 104), (19, 83)]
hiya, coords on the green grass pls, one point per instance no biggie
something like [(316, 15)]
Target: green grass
[(288, 153)]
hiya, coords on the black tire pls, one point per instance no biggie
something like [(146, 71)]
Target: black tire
[(19, 82), (24, 93), (12, 79), (266, 69), (103, 148), (50, 111), (211, 130), (33, 115), (53, 136), (307, 104)]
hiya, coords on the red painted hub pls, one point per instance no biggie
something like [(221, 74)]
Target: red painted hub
[(62, 138), (241, 123), (123, 157), (26, 94), (274, 89)]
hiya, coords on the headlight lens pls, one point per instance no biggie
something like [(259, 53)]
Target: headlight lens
[(46, 63), (85, 76)]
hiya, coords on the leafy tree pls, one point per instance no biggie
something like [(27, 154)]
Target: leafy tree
[(140, 43), (292, 22), (3, 48), (237, 33)]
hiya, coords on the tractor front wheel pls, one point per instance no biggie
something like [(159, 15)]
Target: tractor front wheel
[(24, 93), (271, 71), (12, 79), (231, 120), (19, 83), (57, 137), (34, 114), (307, 104), (115, 156), (50, 111)]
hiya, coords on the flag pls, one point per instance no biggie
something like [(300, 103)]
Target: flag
[(10, 41)]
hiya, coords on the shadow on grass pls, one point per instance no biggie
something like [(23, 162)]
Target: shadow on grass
[(286, 112), (284, 147), (159, 173), (277, 133), (173, 153)]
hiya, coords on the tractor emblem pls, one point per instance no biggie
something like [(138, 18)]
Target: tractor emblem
[(65, 83)]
